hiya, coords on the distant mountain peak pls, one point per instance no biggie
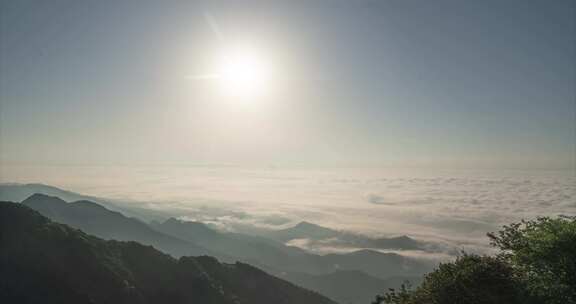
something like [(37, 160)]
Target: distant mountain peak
[(86, 203), (173, 220), (369, 252), (306, 230), (90, 208), (305, 224), (403, 238), (44, 199), (308, 226), (365, 251), (189, 226)]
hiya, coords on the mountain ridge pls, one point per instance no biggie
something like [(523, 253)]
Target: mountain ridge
[(75, 267), (316, 271), (95, 219)]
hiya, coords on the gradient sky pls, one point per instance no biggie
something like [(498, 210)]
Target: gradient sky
[(445, 83)]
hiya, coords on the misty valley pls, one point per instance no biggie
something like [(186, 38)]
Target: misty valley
[(81, 251), (347, 278)]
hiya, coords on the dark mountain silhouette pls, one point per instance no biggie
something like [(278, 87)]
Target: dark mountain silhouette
[(101, 222), (19, 192), (400, 242), (378, 264), (183, 238), (14, 192), (241, 246), (305, 230), (46, 262), (313, 232), (311, 271), (335, 275), (278, 258), (180, 238)]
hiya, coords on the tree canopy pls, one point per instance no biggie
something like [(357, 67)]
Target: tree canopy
[(536, 263)]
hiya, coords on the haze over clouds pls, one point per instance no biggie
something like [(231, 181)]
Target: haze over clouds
[(451, 207)]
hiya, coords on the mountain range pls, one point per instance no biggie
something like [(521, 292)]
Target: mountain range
[(15, 192), (363, 271), (97, 220), (312, 232), (46, 262)]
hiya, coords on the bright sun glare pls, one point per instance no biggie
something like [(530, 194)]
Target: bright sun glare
[(243, 72)]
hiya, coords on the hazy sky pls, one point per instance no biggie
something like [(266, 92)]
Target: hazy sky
[(402, 83)]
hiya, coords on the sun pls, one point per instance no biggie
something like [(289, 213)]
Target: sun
[(240, 74), (243, 72)]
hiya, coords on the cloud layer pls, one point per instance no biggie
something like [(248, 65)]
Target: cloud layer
[(455, 208)]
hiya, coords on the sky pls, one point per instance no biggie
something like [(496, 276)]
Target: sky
[(411, 83)]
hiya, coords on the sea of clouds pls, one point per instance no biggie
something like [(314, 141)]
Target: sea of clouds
[(453, 209)]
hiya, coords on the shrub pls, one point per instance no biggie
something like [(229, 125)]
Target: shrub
[(536, 264), (543, 255)]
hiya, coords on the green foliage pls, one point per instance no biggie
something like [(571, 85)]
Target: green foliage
[(470, 279), (402, 296), (537, 264), (543, 254)]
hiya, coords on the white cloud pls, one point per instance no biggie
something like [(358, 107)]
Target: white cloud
[(452, 207)]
